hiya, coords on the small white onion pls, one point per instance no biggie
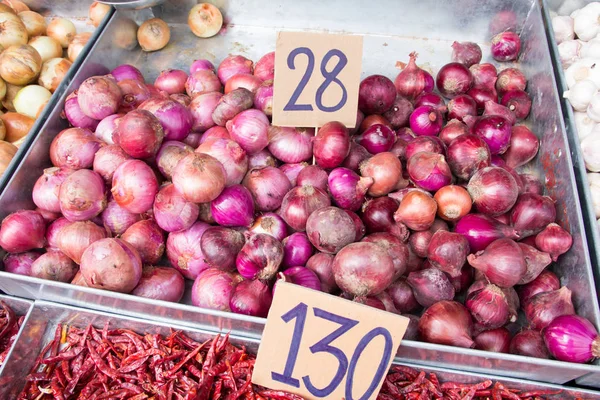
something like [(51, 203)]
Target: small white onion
[(97, 12), (586, 21), (77, 45), (581, 94), (205, 20), (31, 100), (62, 30), (590, 148), (53, 72), (34, 23), (585, 68), (563, 28), (12, 30), (584, 124), (47, 47), (569, 52), (594, 180)]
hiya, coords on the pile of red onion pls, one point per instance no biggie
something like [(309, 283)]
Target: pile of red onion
[(420, 209)]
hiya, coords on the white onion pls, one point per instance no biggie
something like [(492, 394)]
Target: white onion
[(590, 148), (594, 180), (585, 68), (53, 72), (31, 100), (97, 12), (581, 94), (12, 30), (34, 23), (584, 124), (587, 21), (62, 30), (563, 28), (47, 47), (569, 52), (77, 45)]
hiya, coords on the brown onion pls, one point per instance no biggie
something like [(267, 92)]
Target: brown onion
[(200, 178), (386, 171), (205, 20), (153, 34), (417, 211), (97, 12), (13, 31), (20, 64), (62, 30), (453, 202), (34, 23)]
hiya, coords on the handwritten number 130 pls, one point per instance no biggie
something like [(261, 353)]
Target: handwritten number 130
[(298, 313), (330, 77)]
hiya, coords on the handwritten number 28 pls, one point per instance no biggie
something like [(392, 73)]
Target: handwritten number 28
[(330, 77)]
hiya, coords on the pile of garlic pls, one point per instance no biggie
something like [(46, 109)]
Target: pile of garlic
[(578, 38)]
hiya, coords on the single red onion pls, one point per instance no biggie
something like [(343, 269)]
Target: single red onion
[(230, 155), (268, 186), (246, 81), (82, 195), (54, 266), (214, 289), (202, 108), (532, 213), (426, 121), (74, 148), (395, 248), (312, 175), (228, 107), (489, 306), (378, 216), (377, 138), (117, 219), (269, 223), (46, 189), (502, 262), (20, 263), (233, 207), (263, 158), (432, 99), (127, 71), (356, 156), (202, 81), (299, 203), (329, 229), (331, 145), (172, 212), (297, 250), (494, 191), (484, 76), (52, 232), (134, 186), (524, 146), (495, 131), (554, 240), (251, 298), (201, 65), (517, 101), (372, 119), (419, 242), (265, 67), (510, 79), (496, 340), (291, 145), (413, 81), (506, 46), (399, 113), (321, 264), (220, 247), (299, 276), (260, 257), (386, 171), (363, 269), (544, 307), (417, 211), (263, 98), (448, 252), (176, 119), (461, 106), (529, 343), (493, 108), (139, 133), (75, 116), (183, 250), (447, 322), (424, 144), (402, 295), (133, 94), (148, 239), (193, 139), (99, 96), (466, 53), (429, 171), (200, 178), (572, 338), (376, 94), (481, 230), (464, 279), (160, 283), (250, 129), (169, 154), (171, 81), (108, 159), (347, 188), (430, 286), (454, 79), (536, 262), (216, 132), (205, 215), (154, 92), (106, 128), (483, 96), (292, 171), (233, 65)]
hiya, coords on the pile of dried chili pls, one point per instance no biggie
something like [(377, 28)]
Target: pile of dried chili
[(120, 364), (9, 327)]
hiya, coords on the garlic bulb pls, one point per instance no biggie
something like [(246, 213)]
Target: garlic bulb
[(590, 49), (590, 148), (593, 110), (584, 124), (585, 68), (594, 180), (569, 51), (586, 21), (581, 94), (563, 28)]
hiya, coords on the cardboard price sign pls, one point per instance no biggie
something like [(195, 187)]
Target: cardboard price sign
[(322, 346), (317, 76)]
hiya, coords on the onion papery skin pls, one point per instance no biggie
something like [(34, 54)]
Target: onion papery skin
[(47, 187), (134, 186), (160, 283), (20, 263), (467, 154), (495, 131), (496, 340), (329, 229), (148, 239), (429, 171), (117, 219), (386, 171), (175, 118), (22, 231), (412, 80), (108, 159), (99, 97), (447, 322), (554, 240), (529, 343), (481, 230), (502, 262), (233, 207), (430, 286), (494, 191), (184, 252), (74, 148), (448, 251), (454, 79), (169, 155), (230, 155), (299, 276), (75, 116), (214, 289), (260, 257), (200, 178), (139, 133), (82, 195), (321, 264), (271, 224), (220, 246), (541, 309), (250, 130), (172, 212), (546, 281), (268, 186)]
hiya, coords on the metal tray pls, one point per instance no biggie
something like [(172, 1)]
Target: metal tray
[(77, 12), (250, 29), (41, 324), (20, 307)]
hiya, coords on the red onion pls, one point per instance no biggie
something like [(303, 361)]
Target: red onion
[(531, 184), (378, 216), (201, 110), (454, 79), (292, 171), (426, 121), (183, 250), (321, 264), (454, 202), (268, 186), (233, 207), (148, 239), (20, 263), (263, 98), (484, 76), (260, 257), (419, 242), (133, 94), (402, 296), (246, 81), (356, 156), (395, 248), (48, 215), (230, 155), (54, 266), (82, 195), (424, 143), (312, 175), (489, 307), (117, 219), (202, 81), (510, 79), (75, 116), (220, 247), (251, 298), (399, 113), (111, 264), (532, 213), (386, 171), (432, 99), (429, 170), (543, 307), (377, 138), (263, 158), (108, 159), (481, 230), (214, 289), (250, 129), (331, 145), (175, 118), (98, 97), (413, 81), (448, 252), (160, 283), (52, 232), (200, 178), (74, 148), (329, 229), (506, 46), (265, 67), (46, 188), (291, 145), (171, 81), (496, 340), (573, 339), (466, 53), (417, 211), (447, 322), (524, 146), (193, 139), (495, 131), (347, 188), (493, 108), (518, 102), (216, 132), (483, 97), (233, 65), (430, 286), (139, 133), (169, 154), (502, 262), (154, 92), (270, 224), (460, 106), (493, 190), (299, 203), (464, 279), (127, 71), (359, 227), (201, 65), (106, 128), (205, 215), (376, 94), (134, 186), (181, 98), (372, 119), (554, 240), (412, 331), (227, 107), (299, 276), (363, 269), (529, 343), (370, 301), (297, 250)]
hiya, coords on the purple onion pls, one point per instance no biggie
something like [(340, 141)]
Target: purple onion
[(118, 219), (202, 108), (127, 71), (377, 138), (172, 212), (183, 250), (320, 264), (175, 118), (268, 186), (169, 154), (20, 263), (296, 250), (251, 298), (46, 188), (214, 289), (106, 128), (160, 283), (201, 65), (75, 116), (220, 247), (312, 175), (99, 97), (432, 99), (263, 98), (260, 257), (347, 188), (292, 171), (299, 276), (270, 224), (426, 121), (495, 131), (233, 207), (171, 81)]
